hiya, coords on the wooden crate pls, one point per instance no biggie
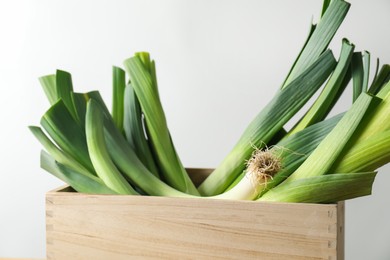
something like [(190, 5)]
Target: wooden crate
[(81, 226)]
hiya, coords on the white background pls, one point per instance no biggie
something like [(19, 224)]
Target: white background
[(218, 63)]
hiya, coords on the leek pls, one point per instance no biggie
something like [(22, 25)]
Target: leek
[(134, 130), (102, 163), (296, 148), (330, 149), (130, 150), (322, 158), (167, 159), (127, 161), (366, 155), (293, 150), (268, 122)]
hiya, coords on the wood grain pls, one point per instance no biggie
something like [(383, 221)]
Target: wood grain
[(81, 226)]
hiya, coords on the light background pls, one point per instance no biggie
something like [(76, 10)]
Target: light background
[(218, 62)]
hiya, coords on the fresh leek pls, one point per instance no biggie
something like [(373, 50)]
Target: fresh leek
[(134, 129), (268, 122), (129, 151), (139, 69), (105, 168)]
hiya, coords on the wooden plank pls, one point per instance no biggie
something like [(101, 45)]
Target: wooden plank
[(81, 226)]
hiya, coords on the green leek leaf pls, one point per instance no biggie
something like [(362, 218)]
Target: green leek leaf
[(67, 133), (48, 84), (357, 69), (366, 155), (80, 182), (379, 118), (311, 30), (330, 93), (65, 89), (119, 84), (135, 132), (324, 189), (366, 66), (56, 153), (79, 101), (324, 156), (380, 80), (325, 6), (320, 38)]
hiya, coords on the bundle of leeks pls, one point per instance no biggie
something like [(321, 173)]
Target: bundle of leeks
[(320, 160)]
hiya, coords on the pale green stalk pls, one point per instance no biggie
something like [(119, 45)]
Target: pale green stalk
[(379, 119), (324, 156), (366, 155), (100, 157), (323, 189), (246, 189), (384, 92)]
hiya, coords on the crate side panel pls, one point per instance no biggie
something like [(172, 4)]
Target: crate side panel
[(179, 228)]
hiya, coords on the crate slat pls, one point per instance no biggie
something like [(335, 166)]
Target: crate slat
[(81, 226)]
